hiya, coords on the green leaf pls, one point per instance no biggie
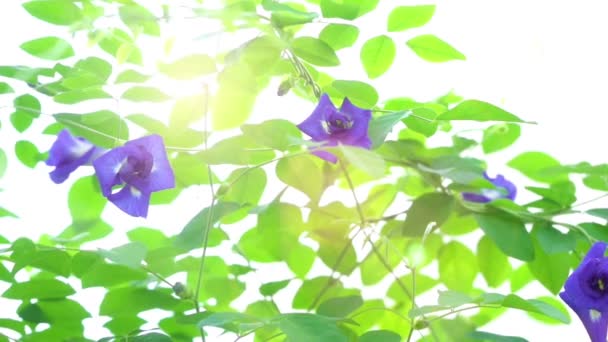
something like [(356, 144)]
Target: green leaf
[(50, 48), (52, 260), (493, 263), (490, 337), (305, 327), (271, 288), (138, 18), (40, 289), (130, 254), (3, 163), (478, 111), (151, 337), (598, 212), (553, 241), (189, 67), (289, 16), (365, 160), (381, 126), (340, 306), (509, 234), (553, 301), (427, 209), (315, 51), (278, 133), (192, 235), (500, 136), (432, 49), (85, 200), (347, 9), (532, 305), (237, 82), (380, 336), (27, 153), (5, 88), (551, 270), (56, 12), (145, 94), (81, 95), (244, 186), (339, 36), (109, 275), (406, 17), (302, 173), (27, 108), (102, 128), (457, 266), (359, 93), (132, 300), (534, 165), (188, 110), (377, 55), (131, 76)]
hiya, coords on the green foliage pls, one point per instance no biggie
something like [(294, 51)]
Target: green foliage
[(269, 227)]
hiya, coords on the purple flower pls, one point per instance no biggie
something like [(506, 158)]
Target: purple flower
[(504, 189), (586, 292), (68, 153), (347, 125), (130, 173)]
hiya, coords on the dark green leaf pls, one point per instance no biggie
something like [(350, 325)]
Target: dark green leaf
[(340, 306), (509, 234), (406, 17), (433, 49)]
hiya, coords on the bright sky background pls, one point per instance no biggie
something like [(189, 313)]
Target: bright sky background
[(543, 60)]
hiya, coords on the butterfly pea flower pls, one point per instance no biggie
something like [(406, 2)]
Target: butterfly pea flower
[(130, 173), (331, 126), (504, 189), (586, 292), (68, 153)]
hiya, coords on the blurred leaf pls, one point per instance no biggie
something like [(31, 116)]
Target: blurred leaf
[(509, 234), (490, 337), (457, 266), (406, 17), (306, 327), (429, 208), (478, 111), (132, 300), (367, 161), (532, 305), (56, 12), (493, 263), (81, 95), (244, 186), (192, 235), (236, 82), (340, 306), (381, 126), (547, 319), (278, 133), (151, 337), (102, 128), (5, 88), (109, 275), (551, 270), (85, 200), (433, 49), (339, 36), (138, 18), (27, 108), (271, 288), (189, 67), (315, 51), (130, 254), (534, 165), (131, 76), (346, 9), (303, 173), (50, 48), (40, 289), (359, 93), (500, 136), (27, 153), (552, 240), (145, 94), (380, 336)]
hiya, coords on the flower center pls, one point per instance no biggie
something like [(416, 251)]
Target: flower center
[(138, 165), (338, 122)]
